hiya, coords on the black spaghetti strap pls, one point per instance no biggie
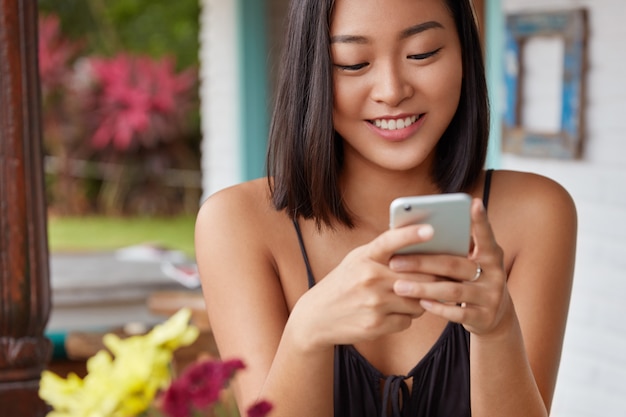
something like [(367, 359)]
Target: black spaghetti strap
[(309, 272), (487, 187)]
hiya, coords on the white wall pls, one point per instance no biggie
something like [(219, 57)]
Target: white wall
[(592, 380), (220, 95)]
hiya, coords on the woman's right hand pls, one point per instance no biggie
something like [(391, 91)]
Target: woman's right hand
[(355, 301)]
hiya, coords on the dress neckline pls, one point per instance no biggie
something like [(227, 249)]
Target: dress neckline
[(434, 349)]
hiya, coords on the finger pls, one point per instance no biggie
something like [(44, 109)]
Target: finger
[(477, 273), (482, 233), (458, 313), (486, 250), (443, 291), (396, 323), (407, 266), (447, 266), (406, 306), (384, 246)]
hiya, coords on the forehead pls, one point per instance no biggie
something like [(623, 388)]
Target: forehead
[(376, 16)]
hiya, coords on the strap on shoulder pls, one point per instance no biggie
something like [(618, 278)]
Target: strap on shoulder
[(309, 272), (486, 187)]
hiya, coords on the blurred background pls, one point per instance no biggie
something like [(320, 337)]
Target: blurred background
[(151, 106), (121, 136)]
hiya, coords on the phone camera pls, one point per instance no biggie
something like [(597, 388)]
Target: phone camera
[(407, 207)]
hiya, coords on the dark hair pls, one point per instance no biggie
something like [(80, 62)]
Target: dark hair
[(305, 153)]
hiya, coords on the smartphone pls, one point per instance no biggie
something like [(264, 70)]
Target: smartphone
[(448, 214)]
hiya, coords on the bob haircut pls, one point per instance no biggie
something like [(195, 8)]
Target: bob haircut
[(305, 153)]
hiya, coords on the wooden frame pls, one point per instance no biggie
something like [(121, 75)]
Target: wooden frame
[(571, 26)]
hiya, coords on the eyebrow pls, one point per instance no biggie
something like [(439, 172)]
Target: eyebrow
[(413, 30)]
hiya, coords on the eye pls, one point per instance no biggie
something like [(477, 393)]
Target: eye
[(426, 55), (355, 67)]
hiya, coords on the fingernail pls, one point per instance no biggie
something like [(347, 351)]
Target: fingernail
[(427, 305), (402, 287), (426, 231), (397, 263)]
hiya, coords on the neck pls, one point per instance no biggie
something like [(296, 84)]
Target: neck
[(367, 193)]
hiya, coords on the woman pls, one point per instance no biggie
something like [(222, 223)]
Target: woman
[(380, 99)]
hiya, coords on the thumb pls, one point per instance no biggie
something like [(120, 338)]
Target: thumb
[(387, 243)]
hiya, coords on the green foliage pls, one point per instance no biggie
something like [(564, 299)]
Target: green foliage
[(154, 27)]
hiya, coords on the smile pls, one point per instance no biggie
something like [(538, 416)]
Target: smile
[(395, 124)]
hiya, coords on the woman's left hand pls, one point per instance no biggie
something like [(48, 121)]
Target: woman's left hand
[(473, 291)]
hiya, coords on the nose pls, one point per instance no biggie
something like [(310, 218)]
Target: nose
[(390, 85)]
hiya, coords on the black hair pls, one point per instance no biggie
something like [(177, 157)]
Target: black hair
[(305, 152)]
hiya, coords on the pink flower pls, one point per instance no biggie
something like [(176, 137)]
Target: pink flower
[(139, 101), (259, 409), (55, 53)]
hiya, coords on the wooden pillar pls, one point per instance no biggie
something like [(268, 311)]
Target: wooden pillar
[(24, 273)]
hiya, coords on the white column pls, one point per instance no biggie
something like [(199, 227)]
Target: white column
[(219, 95)]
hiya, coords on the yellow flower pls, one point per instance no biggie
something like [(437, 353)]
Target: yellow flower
[(60, 392), (126, 383), (174, 332)]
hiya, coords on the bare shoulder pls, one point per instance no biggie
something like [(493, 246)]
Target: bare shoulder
[(531, 213), (236, 221), (236, 235), (243, 210), (531, 198), (248, 197)]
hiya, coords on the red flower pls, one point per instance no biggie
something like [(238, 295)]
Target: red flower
[(174, 402), (259, 409), (199, 386)]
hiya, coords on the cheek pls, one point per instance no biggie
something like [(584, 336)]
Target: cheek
[(444, 87), (344, 94)]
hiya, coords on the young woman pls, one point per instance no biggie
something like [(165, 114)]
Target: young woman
[(380, 99)]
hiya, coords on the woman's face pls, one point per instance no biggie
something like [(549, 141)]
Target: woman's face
[(397, 79)]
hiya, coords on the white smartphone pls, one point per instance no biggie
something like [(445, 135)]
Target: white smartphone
[(449, 215)]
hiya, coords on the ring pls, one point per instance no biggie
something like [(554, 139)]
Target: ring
[(479, 271)]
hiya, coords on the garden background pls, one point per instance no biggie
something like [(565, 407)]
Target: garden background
[(121, 124)]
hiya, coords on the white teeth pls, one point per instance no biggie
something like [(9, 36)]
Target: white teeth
[(394, 124)]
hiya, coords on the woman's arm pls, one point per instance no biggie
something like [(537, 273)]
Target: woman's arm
[(247, 308), (517, 320), (539, 284), (540, 279)]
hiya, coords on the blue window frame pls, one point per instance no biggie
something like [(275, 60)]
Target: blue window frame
[(571, 26)]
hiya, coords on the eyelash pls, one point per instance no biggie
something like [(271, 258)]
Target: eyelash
[(426, 55), (417, 57), (355, 67)]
